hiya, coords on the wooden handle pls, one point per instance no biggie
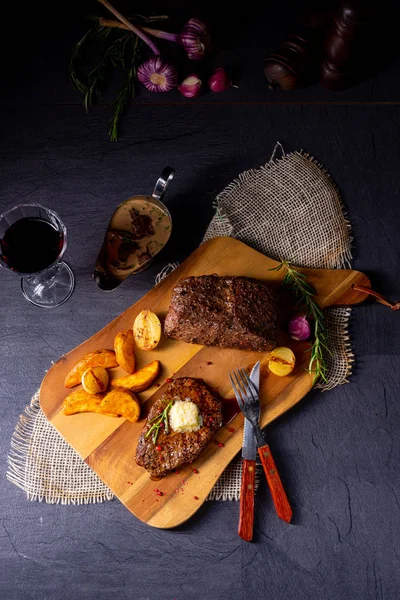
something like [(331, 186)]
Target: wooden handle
[(246, 518), (282, 506)]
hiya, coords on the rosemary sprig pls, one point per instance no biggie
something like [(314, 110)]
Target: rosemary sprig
[(120, 51), (160, 419), (127, 91), (305, 293), (76, 58), (114, 56)]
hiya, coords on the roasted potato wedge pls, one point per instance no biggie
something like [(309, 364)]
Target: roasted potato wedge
[(99, 358), (81, 401), (124, 347), (139, 381), (121, 403), (147, 330)]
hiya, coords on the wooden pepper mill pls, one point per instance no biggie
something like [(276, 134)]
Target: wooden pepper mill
[(345, 45), (297, 61)]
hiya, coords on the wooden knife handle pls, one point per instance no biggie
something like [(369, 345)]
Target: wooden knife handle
[(246, 518), (282, 506)]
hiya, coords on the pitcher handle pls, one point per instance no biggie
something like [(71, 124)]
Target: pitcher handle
[(163, 182)]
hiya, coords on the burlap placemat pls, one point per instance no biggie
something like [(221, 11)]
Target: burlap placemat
[(289, 209)]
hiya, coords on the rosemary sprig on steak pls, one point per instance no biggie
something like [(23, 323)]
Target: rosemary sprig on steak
[(160, 420), (305, 293)]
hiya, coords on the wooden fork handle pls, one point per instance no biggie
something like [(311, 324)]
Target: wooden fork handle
[(282, 506), (246, 517)]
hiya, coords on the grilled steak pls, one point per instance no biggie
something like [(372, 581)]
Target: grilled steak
[(231, 312), (176, 448)]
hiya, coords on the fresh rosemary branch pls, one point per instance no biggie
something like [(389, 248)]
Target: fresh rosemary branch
[(76, 58), (120, 51), (305, 293), (126, 92), (114, 56), (158, 421)]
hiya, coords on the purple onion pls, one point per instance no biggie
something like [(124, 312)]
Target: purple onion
[(299, 328), (157, 75), (219, 80), (191, 86), (194, 37)]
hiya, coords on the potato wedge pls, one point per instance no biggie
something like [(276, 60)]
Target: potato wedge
[(121, 403), (147, 330), (81, 401), (139, 381), (99, 358), (124, 347)]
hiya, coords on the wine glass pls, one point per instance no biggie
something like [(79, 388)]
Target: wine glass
[(33, 240)]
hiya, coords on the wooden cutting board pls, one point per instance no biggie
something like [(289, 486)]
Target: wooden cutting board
[(108, 444)]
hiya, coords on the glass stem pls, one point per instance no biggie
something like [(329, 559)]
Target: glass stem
[(46, 277)]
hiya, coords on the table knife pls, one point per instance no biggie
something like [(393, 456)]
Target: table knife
[(248, 398), (249, 454)]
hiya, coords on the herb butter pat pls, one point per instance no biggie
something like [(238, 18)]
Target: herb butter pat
[(184, 416)]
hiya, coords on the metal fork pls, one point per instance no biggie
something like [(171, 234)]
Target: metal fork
[(247, 397)]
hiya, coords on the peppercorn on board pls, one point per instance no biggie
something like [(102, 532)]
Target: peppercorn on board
[(108, 445)]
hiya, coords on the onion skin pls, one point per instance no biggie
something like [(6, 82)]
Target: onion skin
[(157, 75), (191, 86), (219, 80), (299, 328)]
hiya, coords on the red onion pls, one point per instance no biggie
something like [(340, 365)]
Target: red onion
[(194, 37), (157, 75), (191, 86), (219, 80), (299, 328)]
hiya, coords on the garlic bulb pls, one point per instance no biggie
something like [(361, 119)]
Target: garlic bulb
[(147, 330), (281, 361), (157, 74), (299, 328), (191, 86), (219, 80), (95, 380), (194, 37)]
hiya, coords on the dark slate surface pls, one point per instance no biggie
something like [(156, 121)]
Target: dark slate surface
[(338, 451)]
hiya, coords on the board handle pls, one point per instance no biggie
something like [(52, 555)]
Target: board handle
[(281, 502), (246, 517), (379, 298)]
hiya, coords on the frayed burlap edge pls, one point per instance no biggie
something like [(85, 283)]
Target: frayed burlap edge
[(20, 453)]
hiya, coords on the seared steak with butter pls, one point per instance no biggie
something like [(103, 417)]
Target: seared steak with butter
[(177, 448), (231, 312)]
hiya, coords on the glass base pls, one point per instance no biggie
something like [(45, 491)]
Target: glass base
[(50, 289)]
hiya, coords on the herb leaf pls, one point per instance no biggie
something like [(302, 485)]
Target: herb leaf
[(76, 58), (157, 421), (304, 294), (128, 90), (120, 52)]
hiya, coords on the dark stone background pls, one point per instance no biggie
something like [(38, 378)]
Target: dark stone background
[(338, 451)]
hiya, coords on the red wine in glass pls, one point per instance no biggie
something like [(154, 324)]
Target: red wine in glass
[(31, 245), (33, 240)]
